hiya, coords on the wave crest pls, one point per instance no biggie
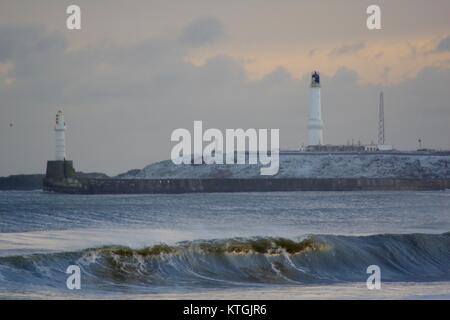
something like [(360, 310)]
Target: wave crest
[(239, 246)]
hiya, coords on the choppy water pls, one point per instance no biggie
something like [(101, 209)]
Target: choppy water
[(304, 244)]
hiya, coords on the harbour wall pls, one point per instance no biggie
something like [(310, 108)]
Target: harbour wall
[(148, 186)]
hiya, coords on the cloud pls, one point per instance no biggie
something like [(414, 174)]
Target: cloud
[(345, 75), (24, 41), (347, 49), (444, 45), (313, 52), (203, 31)]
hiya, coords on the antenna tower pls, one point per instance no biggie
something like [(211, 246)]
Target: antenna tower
[(381, 138)]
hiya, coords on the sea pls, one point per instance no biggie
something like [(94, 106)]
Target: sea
[(280, 245)]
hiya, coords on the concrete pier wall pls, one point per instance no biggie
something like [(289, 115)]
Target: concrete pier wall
[(59, 169), (142, 186)]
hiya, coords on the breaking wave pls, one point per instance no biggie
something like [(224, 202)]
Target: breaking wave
[(240, 262)]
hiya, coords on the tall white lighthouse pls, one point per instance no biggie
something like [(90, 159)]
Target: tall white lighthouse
[(60, 134), (315, 123)]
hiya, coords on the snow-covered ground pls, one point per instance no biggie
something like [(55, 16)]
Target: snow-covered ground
[(304, 165)]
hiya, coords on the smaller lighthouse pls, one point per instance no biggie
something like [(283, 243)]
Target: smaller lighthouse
[(60, 170), (60, 134), (315, 123)]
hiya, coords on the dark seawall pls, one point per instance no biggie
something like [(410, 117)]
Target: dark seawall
[(142, 186), (22, 182)]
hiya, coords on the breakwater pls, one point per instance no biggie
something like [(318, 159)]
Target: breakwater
[(142, 186)]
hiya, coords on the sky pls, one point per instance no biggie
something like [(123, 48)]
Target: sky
[(137, 70)]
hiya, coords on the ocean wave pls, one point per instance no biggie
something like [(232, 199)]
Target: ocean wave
[(240, 262)]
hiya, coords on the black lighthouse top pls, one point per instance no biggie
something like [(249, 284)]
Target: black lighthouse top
[(315, 79)]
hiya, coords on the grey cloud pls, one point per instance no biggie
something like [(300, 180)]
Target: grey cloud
[(379, 55), (313, 52), (444, 45), (203, 31), (25, 41), (347, 49)]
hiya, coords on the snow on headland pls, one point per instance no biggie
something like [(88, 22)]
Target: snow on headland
[(312, 165)]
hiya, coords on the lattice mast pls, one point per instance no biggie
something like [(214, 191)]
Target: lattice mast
[(381, 137)]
